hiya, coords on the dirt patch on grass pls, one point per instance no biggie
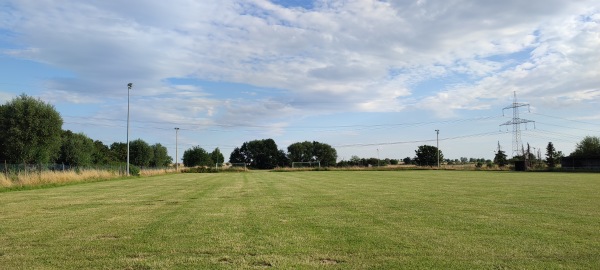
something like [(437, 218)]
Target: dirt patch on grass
[(225, 260), (262, 264), (108, 236), (329, 261)]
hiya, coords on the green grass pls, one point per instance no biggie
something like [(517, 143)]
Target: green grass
[(329, 220)]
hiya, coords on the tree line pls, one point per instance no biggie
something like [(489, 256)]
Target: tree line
[(265, 154), (31, 133)]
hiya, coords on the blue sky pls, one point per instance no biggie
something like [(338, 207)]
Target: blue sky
[(358, 75)]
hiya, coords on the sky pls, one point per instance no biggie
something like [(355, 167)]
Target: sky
[(370, 78)]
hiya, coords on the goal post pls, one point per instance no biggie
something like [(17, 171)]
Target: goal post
[(305, 164)]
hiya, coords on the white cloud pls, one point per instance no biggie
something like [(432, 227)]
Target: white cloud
[(360, 55)]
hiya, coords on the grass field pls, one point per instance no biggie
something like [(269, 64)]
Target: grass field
[(329, 220)]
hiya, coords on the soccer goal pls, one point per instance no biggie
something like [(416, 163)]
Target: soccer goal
[(309, 164)]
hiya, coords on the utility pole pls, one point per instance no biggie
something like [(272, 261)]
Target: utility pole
[(516, 124), (129, 86), (437, 146), (176, 150)]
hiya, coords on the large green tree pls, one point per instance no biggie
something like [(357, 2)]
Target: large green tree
[(427, 155), (312, 151), (102, 154), (197, 156), (118, 151), (77, 149), (259, 154), (588, 147), (140, 153), (216, 156), (30, 131), (300, 152), (160, 157)]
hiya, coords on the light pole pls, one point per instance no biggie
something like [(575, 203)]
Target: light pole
[(176, 150), (437, 146), (129, 86)]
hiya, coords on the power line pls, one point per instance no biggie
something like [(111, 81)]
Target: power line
[(330, 127), (421, 141), (566, 119)]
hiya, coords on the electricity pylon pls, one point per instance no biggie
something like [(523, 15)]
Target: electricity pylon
[(516, 124)]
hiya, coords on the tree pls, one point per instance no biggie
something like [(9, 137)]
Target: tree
[(77, 149), (140, 153), (118, 151), (30, 131), (355, 161), (101, 154), (324, 153), (407, 161), (427, 155), (311, 152), (237, 156), (160, 157), (216, 156), (259, 154), (282, 159), (197, 156), (551, 155), (500, 157), (588, 147), (300, 152)]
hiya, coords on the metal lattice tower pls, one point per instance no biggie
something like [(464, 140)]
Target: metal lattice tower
[(516, 124)]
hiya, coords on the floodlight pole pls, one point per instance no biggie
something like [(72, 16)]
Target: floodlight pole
[(129, 86), (176, 150), (437, 146)]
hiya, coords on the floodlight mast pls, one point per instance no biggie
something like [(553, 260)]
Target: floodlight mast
[(176, 150), (437, 146), (129, 86)]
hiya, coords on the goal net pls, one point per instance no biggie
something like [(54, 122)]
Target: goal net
[(309, 164)]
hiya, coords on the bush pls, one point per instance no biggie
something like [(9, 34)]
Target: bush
[(201, 170), (134, 170)]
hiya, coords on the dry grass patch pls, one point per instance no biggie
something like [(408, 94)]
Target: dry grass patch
[(4, 181), (152, 172), (54, 177)]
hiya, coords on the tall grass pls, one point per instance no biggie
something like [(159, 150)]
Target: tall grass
[(4, 181), (36, 178), (161, 171), (30, 179)]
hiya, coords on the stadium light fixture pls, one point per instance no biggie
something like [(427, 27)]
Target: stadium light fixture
[(129, 86)]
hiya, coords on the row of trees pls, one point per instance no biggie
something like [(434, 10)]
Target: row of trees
[(31, 132), (197, 156), (264, 154)]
